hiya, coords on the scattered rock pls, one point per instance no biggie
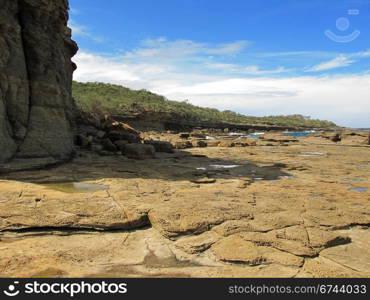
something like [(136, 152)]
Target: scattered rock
[(226, 144), (139, 151), (336, 138), (204, 180), (106, 153), (244, 182), (240, 144), (96, 148), (161, 146), (121, 127), (199, 144), (116, 135), (101, 134), (108, 145), (213, 143), (121, 144), (82, 141), (199, 135), (182, 144), (184, 135)]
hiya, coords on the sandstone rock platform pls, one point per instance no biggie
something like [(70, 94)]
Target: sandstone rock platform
[(267, 211)]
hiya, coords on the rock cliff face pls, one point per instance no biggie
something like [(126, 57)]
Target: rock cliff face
[(36, 107)]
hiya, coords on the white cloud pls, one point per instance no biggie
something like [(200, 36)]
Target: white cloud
[(164, 49), (363, 53), (342, 60), (77, 30), (248, 70), (227, 49), (342, 98), (255, 70), (222, 66), (338, 62), (297, 54), (82, 31)]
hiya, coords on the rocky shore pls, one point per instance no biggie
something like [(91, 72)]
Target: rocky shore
[(197, 204), (82, 197)]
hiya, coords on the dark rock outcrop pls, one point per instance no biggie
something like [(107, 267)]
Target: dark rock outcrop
[(161, 146), (36, 106), (139, 151)]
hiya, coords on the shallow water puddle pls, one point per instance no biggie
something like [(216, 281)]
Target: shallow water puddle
[(266, 172), (255, 135), (76, 187), (358, 189), (301, 133), (151, 260), (311, 154), (224, 166)]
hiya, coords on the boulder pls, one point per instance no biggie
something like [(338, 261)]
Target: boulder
[(101, 134), (116, 135), (199, 135), (121, 144), (110, 124), (106, 153), (161, 146), (199, 143), (213, 143), (336, 138), (182, 144), (108, 145), (139, 151), (204, 180), (87, 129), (184, 135), (241, 144), (226, 144), (82, 141), (96, 148)]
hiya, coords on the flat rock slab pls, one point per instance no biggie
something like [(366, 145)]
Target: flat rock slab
[(355, 256), (237, 250), (296, 225), (24, 205), (139, 253)]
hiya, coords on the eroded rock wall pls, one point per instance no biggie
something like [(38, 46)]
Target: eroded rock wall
[(36, 107)]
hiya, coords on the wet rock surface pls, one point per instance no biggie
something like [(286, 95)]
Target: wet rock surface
[(260, 211)]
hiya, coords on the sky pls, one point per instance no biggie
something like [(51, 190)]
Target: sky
[(256, 57)]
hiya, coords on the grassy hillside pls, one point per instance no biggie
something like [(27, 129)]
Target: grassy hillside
[(98, 98)]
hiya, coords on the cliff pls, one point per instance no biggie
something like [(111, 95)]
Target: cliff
[(36, 106)]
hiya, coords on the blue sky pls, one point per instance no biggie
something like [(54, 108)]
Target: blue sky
[(258, 57)]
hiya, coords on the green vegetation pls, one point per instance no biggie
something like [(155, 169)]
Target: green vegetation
[(101, 98)]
